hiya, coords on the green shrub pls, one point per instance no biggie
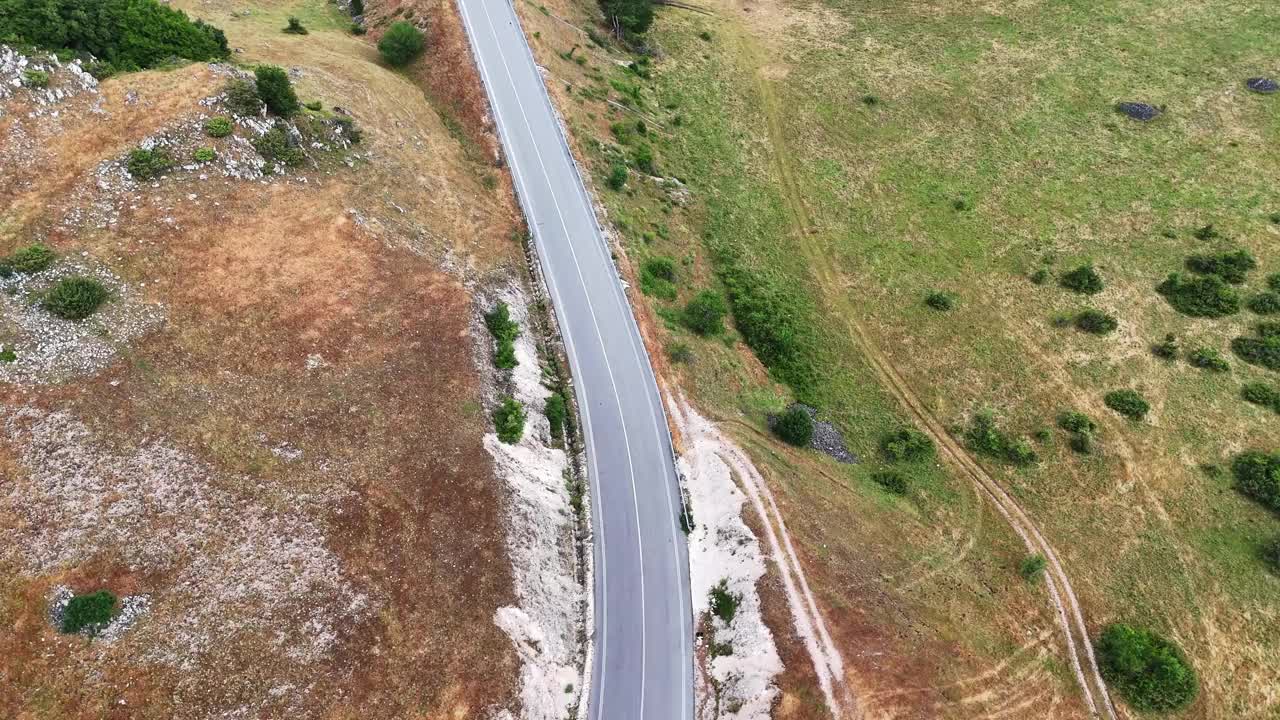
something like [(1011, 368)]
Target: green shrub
[(35, 79), (907, 444), (1096, 322), (657, 278), (275, 147), (1167, 348), (124, 34), (1263, 350), (314, 106), (1208, 359), (1260, 393), (1076, 422), (557, 414), (148, 164), (217, 127), (89, 613), (617, 176), (1083, 279), (204, 155), (1231, 266), (1032, 567), (1257, 475), (242, 98), (724, 604), (631, 17), (680, 352), (704, 314), (276, 90), (892, 481), (642, 156), (1207, 296), (1149, 671), (794, 426), (1081, 442), (985, 438), (295, 27), (7, 355), (1128, 403), (504, 331), (401, 44), (1265, 303), (75, 298), (31, 259), (1040, 277), (941, 301), (508, 421)]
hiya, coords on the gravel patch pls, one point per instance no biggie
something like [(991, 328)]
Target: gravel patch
[(1139, 111), (1264, 85), (826, 438)]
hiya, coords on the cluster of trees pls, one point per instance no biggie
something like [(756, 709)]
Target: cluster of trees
[(628, 17), (122, 34)]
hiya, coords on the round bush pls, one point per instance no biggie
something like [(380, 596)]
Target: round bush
[(1257, 475), (907, 444), (89, 613), (1232, 267), (1083, 279), (794, 426), (617, 176), (508, 421), (204, 155), (1208, 359), (1264, 351), (217, 127), (1265, 303), (1208, 296), (1260, 393), (1076, 422), (242, 98), (75, 298), (1032, 567), (705, 313), (941, 301), (1128, 403), (276, 90), (31, 259), (401, 43), (148, 164), (1096, 322), (1150, 671)]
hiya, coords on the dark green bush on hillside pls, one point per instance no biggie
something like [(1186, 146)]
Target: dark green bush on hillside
[(557, 411), (617, 176), (1166, 349), (89, 613), (31, 259), (1263, 350), (1032, 567), (508, 421), (657, 278), (1083, 279), (35, 79), (75, 298), (275, 147), (1076, 422), (1150, 671), (1096, 322), (941, 301), (1260, 393), (794, 426), (705, 313), (724, 604), (1207, 296), (401, 44), (1257, 475), (148, 164), (217, 127), (986, 438), (891, 480), (126, 34), (1128, 403), (907, 444), (295, 27), (1265, 303), (627, 17), (1208, 359), (504, 331), (242, 98), (1230, 266), (276, 90)]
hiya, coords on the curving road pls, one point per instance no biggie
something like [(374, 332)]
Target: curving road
[(643, 667)]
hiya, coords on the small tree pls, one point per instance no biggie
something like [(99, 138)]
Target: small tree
[(276, 91), (617, 176), (508, 421), (794, 426), (75, 298), (1083, 279), (1032, 567), (89, 613), (1128, 403), (295, 27), (1150, 671), (705, 313), (401, 44)]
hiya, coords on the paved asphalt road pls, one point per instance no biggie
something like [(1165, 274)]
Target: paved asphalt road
[(643, 632)]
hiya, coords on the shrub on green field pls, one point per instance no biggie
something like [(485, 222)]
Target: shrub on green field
[(148, 164), (1040, 277), (1149, 671), (89, 613), (1206, 296), (1167, 348), (1096, 322), (986, 438), (892, 481), (704, 314), (939, 300), (1032, 567), (1081, 442), (680, 352), (274, 147), (35, 79), (794, 426), (1257, 475), (508, 421), (401, 44), (1076, 422), (295, 27), (1265, 303), (31, 259), (907, 444), (314, 106), (1208, 359), (204, 155), (1128, 403), (1263, 350), (504, 331), (557, 414), (1083, 279), (125, 34), (242, 98), (1231, 266), (617, 176), (632, 17), (724, 604), (75, 298), (276, 90), (217, 127), (657, 278), (1260, 393), (642, 156)]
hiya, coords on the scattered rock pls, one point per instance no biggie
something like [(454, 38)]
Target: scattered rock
[(1263, 85), (1139, 111), (826, 438)]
